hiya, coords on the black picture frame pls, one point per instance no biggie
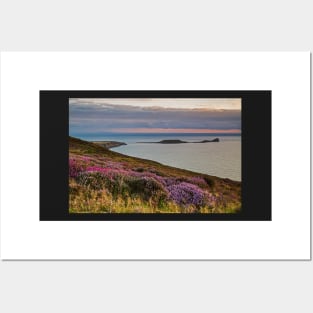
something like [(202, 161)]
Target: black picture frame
[(256, 155)]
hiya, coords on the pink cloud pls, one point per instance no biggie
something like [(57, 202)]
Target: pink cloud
[(174, 130)]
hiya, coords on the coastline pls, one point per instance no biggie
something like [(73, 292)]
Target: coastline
[(109, 144), (105, 181), (213, 158)]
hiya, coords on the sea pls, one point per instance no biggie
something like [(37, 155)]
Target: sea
[(222, 159)]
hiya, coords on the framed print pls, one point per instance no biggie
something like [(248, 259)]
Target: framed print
[(155, 156)]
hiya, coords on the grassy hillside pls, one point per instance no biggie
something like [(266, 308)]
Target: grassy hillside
[(104, 181)]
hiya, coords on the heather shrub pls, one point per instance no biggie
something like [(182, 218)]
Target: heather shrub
[(210, 181), (75, 168), (93, 180), (139, 169), (97, 180), (199, 181), (211, 200), (110, 172), (118, 186), (153, 176), (187, 194), (155, 171), (149, 189), (171, 181)]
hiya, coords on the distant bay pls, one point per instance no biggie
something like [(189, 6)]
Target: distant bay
[(222, 159)]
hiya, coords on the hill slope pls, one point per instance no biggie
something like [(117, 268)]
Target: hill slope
[(104, 181)]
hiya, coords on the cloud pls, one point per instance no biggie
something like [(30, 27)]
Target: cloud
[(183, 103), (95, 117)]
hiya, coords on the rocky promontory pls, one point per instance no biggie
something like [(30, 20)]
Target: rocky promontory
[(176, 141), (109, 144)]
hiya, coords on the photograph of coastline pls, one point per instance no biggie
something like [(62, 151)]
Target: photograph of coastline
[(155, 155)]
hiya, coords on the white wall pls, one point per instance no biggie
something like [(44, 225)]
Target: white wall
[(150, 286)]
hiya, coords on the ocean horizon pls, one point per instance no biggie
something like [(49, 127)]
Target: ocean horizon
[(130, 136)]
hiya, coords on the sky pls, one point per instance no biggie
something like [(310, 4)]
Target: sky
[(153, 115)]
